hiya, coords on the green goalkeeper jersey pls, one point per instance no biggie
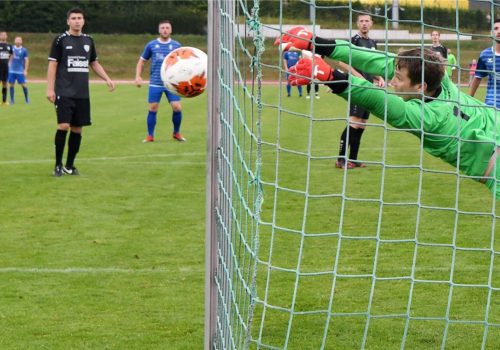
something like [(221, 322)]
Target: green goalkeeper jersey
[(454, 126)]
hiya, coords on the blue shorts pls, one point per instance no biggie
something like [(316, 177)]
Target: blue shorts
[(155, 93), (21, 79)]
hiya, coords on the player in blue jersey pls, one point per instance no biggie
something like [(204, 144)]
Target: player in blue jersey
[(488, 64), (156, 50), (18, 68), (5, 58), (290, 59)]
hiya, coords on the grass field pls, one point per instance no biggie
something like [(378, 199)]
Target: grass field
[(114, 259), (403, 246)]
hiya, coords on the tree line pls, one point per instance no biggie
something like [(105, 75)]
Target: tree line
[(126, 16), (190, 16)]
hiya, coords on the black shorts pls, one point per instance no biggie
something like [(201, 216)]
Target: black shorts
[(4, 72), (73, 111), (357, 111)]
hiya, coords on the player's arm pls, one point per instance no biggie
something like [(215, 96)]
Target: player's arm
[(26, 66), (138, 72), (474, 85), (99, 70), (386, 106), (374, 62), (51, 80)]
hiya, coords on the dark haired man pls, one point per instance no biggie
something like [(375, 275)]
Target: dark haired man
[(437, 47), (70, 57), (452, 125), (358, 116), (5, 59), (157, 50)]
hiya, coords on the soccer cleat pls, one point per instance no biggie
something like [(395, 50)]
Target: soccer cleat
[(317, 96), (58, 171), (341, 164), (148, 138), (70, 170), (308, 97), (178, 136), (356, 165)]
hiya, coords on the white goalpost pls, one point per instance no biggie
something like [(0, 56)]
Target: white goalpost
[(301, 255)]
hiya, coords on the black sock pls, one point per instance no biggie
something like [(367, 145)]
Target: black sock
[(354, 142), (59, 143), (4, 94), (308, 88), (343, 143), (73, 147), (316, 88)]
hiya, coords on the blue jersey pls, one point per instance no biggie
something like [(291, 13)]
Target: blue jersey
[(291, 58), (157, 51), (19, 56), (486, 66)]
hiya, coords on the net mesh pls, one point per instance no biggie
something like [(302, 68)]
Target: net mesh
[(399, 254)]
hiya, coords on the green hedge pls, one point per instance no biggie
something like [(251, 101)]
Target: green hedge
[(190, 17), (134, 17)]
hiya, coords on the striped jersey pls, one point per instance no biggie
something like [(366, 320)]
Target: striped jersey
[(487, 66), (157, 50), (18, 63)]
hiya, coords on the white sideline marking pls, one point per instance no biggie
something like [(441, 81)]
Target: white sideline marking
[(81, 270), (166, 155)]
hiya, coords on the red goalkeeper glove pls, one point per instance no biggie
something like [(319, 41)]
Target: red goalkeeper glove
[(297, 37), (307, 69)]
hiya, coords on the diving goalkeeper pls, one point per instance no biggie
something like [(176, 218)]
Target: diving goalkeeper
[(454, 126)]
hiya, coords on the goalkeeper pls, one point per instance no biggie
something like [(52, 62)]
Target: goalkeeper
[(454, 126)]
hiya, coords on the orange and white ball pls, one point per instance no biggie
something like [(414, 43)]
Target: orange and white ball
[(184, 71)]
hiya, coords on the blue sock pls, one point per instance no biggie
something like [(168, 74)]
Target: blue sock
[(177, 119), (288, 89), (26, 97), (12, 94), (151, 123), (300, 90)]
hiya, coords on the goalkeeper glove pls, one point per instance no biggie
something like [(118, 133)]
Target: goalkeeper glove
[(307, 69), (297, 37)]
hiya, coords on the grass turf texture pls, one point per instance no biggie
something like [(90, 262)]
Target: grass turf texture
[(134, 221), (114, 258)]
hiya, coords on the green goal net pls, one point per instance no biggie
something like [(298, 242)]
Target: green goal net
[(400, 254)]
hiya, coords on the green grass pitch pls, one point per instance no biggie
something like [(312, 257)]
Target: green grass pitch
[(114, 259)]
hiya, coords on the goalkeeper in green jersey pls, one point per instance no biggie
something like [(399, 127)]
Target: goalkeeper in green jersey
[(454, 126)]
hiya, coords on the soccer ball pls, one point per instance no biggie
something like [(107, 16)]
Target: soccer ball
[(184, 71)]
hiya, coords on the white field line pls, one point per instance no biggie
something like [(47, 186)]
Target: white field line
[(165, 155)]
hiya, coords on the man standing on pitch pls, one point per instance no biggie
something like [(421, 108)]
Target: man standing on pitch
[(18, 69), (5, 58), (488, 65), (358, 116), (68, 87), (157, 50)]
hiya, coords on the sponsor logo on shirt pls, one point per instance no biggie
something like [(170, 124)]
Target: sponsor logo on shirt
[(78, 64), (68, 47)]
